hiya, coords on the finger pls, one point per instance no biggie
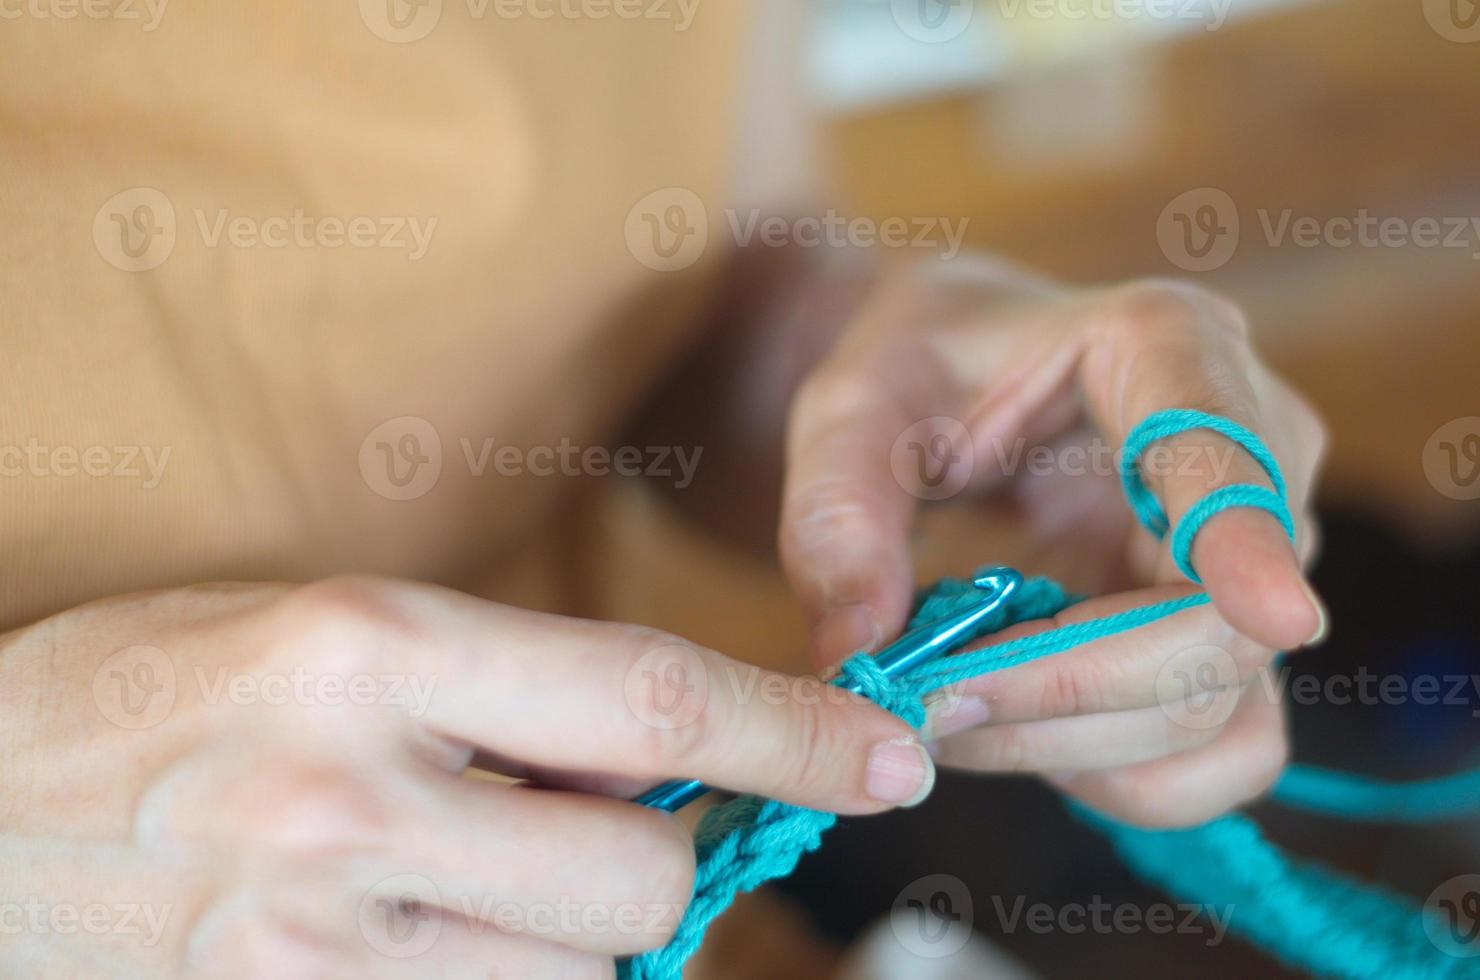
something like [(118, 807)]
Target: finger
[(595, 874), (583, 695), (1084, 742), (455, 948), (1163, 347), (392, 928), (1195, 786), (845, 520), (891, 419), (1125, 671)]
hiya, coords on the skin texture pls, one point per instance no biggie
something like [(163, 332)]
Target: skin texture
[(265, 827), (1013, 357), (268, 831)]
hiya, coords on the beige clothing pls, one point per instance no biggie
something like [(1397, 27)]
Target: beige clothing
[(350, 226)]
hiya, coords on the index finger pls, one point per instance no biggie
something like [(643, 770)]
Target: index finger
[(1167, 347), (582, 695)]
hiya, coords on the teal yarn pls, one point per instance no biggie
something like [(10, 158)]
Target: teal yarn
[(1348, 797), (1153, 516), (1301, 913), (1237, 495)]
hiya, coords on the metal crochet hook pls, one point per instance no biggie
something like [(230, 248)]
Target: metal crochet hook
[(915, 647)]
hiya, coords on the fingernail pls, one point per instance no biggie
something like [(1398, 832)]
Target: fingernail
[(952, 714), (1323, 620), (847, 630), (900, 772)]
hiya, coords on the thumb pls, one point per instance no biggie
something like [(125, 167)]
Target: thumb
[(845, 515)]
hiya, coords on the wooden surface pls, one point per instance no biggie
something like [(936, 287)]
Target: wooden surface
[(1324, 110)]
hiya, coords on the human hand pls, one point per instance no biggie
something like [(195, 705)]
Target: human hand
[(272, 779), (1000, 360)]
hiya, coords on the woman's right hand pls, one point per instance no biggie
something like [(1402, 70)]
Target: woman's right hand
[(249, 781)]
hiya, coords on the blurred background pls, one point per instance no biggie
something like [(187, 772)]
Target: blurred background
[(1103, 141)]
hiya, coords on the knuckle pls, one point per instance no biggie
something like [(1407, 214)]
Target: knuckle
[(1005, 749), (346, 619), (312, 810), (236, 935), (1065, 691), (663, 848), (670, 692), (831, 393), (810, 752), (827, 512), (1142, 797), (1149, 308), (1268, 754)]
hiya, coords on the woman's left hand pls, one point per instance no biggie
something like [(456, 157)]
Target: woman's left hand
[(1166, 725)]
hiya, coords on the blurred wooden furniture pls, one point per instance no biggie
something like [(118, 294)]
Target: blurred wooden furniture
[(1324, 110)]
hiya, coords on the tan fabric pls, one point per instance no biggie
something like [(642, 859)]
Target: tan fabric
[(260, 370)]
